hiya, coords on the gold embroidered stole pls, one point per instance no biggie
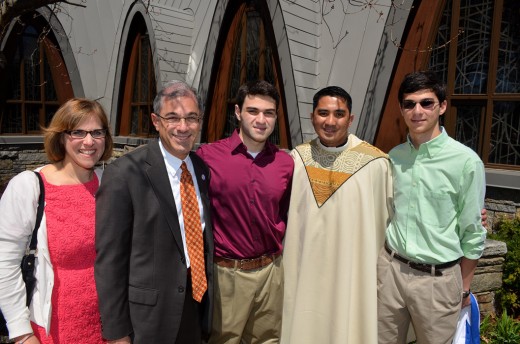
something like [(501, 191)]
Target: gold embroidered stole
[(327, 171)]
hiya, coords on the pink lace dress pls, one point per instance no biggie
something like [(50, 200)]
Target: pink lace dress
[(70, 213)]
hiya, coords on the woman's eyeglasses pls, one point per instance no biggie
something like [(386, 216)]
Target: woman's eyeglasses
[(427, 104), (81, 134)]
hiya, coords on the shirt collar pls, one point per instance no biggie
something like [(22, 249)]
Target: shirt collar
[(173, 163), (334, 149), (431, 147)]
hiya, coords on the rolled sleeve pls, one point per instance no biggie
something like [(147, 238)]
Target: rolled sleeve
[(471, 232)]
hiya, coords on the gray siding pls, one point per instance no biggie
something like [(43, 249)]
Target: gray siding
[(302, 26), (173, 30)]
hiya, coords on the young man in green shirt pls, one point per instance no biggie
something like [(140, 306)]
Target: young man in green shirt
[(436, 237)]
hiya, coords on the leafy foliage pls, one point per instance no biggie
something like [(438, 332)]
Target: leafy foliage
[(508, 296), (504, 330)]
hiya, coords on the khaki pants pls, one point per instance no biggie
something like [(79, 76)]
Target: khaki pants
[(248, 305), (431, 303)]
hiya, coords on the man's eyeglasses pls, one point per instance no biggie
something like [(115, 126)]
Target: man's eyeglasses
[(427, 104), (81, 134), (176, 120)]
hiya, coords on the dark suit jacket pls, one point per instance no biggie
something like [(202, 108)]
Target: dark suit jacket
[(140, 265)]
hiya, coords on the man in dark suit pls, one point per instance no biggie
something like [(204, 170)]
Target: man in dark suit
[(144, 267)]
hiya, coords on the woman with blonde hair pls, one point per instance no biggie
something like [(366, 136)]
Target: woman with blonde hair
[(64, 303)]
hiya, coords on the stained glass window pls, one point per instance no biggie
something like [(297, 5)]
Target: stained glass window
[(139, 84), (505, 136), (248, 56), (252, 61), (484, 87), (35, 67)]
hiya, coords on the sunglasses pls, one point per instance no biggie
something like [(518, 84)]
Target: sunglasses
[(427, 104)]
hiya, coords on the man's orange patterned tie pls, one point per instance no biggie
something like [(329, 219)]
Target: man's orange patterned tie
[(193, 230)]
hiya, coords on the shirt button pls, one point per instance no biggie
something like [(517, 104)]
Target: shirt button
[(252, 201), (181, 289)]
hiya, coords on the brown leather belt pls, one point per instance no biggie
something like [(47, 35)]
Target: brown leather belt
[(434, 269), (246, 264)]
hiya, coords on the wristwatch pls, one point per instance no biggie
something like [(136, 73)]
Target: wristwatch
[(466, 293)]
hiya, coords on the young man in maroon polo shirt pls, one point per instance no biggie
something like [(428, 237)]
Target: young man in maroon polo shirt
[(250, 191)]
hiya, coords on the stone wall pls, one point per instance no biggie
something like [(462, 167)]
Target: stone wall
[(15, 159), (500, 210), (488, 276)]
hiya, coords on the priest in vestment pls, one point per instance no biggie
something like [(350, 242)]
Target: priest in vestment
[(340, 207)]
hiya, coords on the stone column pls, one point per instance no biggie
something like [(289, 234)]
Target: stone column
[(488, 275)]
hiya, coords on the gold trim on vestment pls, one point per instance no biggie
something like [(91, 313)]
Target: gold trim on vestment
[(327, 171)]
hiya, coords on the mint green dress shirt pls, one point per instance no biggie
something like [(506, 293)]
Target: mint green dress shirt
[(439, 193)]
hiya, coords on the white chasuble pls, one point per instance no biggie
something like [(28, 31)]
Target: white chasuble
[(340, 207)]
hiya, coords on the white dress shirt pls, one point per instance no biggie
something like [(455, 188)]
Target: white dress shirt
[(173, 166)]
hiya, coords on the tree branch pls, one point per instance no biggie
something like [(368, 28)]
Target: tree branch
[(10, 9)]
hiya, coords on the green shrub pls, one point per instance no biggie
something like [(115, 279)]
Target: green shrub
[(486, 326), (508, 297), (504, 330)]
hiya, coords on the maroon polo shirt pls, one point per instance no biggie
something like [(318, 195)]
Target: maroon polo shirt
[(249, 197)]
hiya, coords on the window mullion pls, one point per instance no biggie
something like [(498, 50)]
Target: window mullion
[(41, 110), (263, 55), (23, 111), (243, 50), (451, 118), (139, 88), (485, 144)]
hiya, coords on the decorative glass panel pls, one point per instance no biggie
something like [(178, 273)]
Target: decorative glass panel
[(145, 68), (467, 127), (505, 136), (12, 119), (498, 120), (145, 119), (508, 71), (32, 79), (50, 91), (31, 98), (135, 85), (50, 110), (139, 90), (231, 120), (274, 138), (440, 52), (31, 58), (13, 70), (32, 113), (253, 45), (253, 54), (476, 19), (269, 72), (235, 82), (134, 124)]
